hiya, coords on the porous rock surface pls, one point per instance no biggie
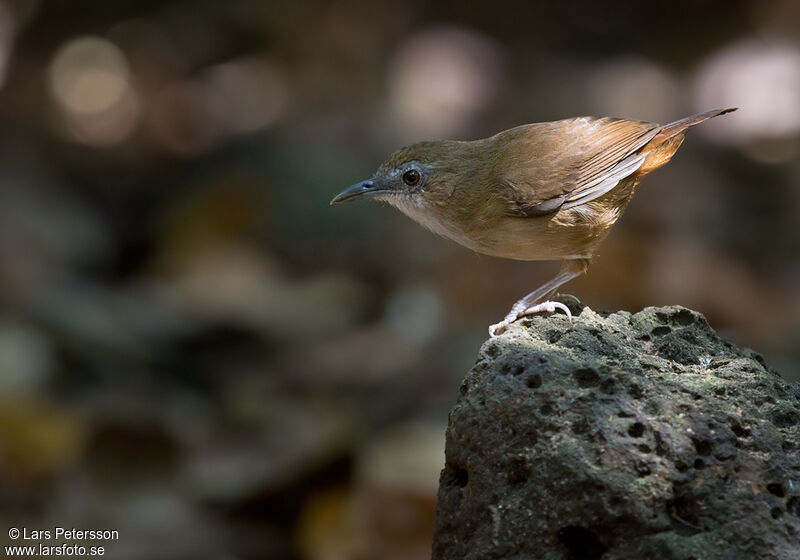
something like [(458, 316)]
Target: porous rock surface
[(620, 436)]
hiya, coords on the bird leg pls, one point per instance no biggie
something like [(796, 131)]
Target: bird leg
[(532, 303)]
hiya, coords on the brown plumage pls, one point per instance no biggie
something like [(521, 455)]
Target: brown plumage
[(543, 191)]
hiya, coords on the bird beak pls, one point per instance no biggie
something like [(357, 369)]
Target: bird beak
[(356, 191)]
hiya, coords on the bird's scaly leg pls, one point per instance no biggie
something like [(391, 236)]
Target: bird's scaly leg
[(528, 305)]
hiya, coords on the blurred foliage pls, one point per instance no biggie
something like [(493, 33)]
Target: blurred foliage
[(197, 351)]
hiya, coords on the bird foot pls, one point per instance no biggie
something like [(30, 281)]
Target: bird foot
[(546, 306)]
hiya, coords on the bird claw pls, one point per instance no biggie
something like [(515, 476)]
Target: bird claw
[(567, 298), (547, 306), (498, 328)]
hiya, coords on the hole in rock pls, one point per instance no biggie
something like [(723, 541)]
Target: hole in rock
[(682, 511), (635, 391), (776, 489), (636, 430), (518, 471), (684, 317), (587, 377), (456, 476), (511, 369), (702, 446), (738, 430), (581, 544)]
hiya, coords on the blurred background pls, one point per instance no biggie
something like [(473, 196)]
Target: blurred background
[(196, 351)]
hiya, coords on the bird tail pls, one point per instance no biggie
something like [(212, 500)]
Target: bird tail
[(669, 137), (673, 128)]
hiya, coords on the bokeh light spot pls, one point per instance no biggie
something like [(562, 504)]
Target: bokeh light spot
[(251, 93), (90, 82), (763, 80), (635, 88), (89, 75), (440, 78)]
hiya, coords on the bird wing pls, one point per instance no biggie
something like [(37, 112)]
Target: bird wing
[(549, 166)]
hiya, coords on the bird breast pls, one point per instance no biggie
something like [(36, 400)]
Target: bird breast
[(573, 233)]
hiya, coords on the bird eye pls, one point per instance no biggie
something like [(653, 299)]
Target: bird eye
[(411, 177)]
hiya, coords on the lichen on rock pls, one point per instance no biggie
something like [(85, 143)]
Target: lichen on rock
[(620, 436)]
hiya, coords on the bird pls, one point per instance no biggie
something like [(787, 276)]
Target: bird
[(540, 191)]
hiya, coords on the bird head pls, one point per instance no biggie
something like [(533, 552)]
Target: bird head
[(423, 172)]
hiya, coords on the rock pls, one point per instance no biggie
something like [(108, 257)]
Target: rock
[(620, 436)]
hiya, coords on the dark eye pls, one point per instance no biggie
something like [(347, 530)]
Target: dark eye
[(411, 177)]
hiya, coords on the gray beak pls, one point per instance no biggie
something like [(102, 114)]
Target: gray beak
[(355, 191)]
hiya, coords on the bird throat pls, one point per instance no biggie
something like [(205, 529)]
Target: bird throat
[(419, 210)]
